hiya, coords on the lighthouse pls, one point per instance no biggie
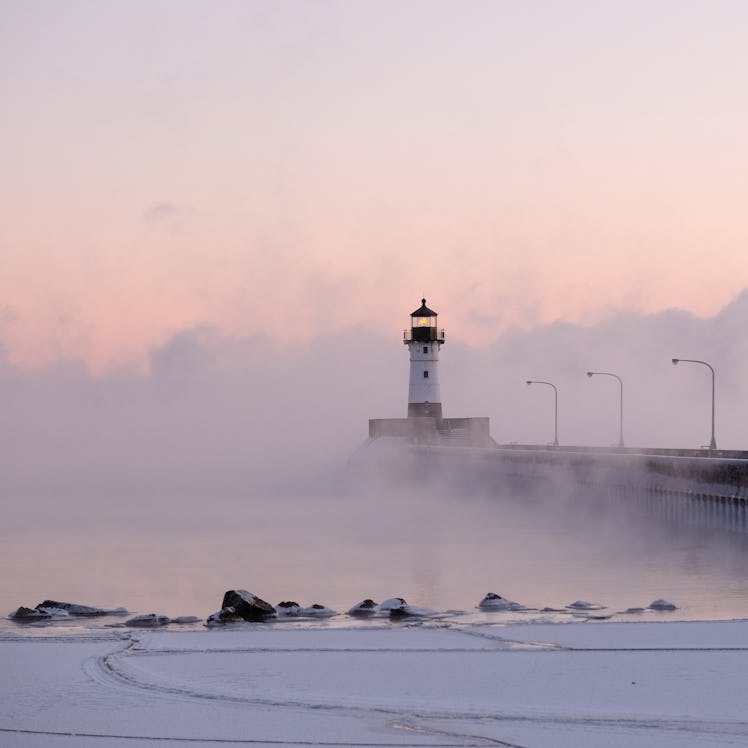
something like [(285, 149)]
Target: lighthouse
[(424, 340), (425, 426)]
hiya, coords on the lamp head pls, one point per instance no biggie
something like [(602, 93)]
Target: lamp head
[(590, 373), (675, 361), (529, 381)]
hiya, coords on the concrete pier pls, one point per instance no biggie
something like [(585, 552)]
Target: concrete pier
[(691, 486)]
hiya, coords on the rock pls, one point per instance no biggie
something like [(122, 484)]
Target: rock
[(392, 603), (661, 604), (226, 615), (318, 611), (54, 609), (584, 605), (413, 611), (55, 613), (492, 601), (288, 608), (27, 615), (183, 620), (240, 604), (398, 608), (148, 620), (364, 608), (73, 609), (396, 613)]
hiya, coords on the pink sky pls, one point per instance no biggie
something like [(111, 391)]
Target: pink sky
[(269, 168)]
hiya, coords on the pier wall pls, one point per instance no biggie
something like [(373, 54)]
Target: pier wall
[(690, 486), (427, 430)]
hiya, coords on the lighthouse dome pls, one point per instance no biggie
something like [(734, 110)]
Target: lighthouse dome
[(423, 311)]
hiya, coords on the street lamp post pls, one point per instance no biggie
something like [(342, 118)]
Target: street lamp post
[(620, 413), (713, 441), (555, 407)]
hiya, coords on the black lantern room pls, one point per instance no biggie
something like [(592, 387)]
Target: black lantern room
[(423, 324)]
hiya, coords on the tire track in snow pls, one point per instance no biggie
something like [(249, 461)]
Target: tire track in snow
[(105, 670), (252, 741)]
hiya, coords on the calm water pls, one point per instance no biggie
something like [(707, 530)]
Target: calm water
[(177, 555)]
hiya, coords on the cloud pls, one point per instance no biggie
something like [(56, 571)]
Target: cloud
[(663, 405), (166, 212), (8, 314), (214, 413)]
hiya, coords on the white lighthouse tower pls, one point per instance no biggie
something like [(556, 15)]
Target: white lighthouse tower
[(424, 341), (425, 425)]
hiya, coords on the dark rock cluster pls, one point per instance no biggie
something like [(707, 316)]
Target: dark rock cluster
[(50, 609), (240, 605)]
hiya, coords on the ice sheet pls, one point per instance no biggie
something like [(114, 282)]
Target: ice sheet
[(617, 684)]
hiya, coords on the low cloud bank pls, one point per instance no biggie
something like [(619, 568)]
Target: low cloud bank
[(664, 405), (221, 414)]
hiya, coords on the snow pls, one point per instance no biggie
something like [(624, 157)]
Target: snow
[(660, 684)]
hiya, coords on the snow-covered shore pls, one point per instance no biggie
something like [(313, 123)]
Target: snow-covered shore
[(427, 683)]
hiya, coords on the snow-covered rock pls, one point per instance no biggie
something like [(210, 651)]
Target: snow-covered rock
[(318, 611), (55, 613), (584, 605), (73, 609), (242, 605), (55, 610), (392, 603), (148, 620), (412, 611), (287, 608), (27, 615), (225, 615), (492, 601), (661, 604), (398, 608), (365, 608)]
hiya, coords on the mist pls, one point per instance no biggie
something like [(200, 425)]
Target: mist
[(233, 462), (212, 412), (664, 405)]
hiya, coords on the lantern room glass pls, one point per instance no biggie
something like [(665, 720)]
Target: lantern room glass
[(423, 328)]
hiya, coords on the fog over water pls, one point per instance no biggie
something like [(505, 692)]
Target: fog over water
[(226, 465), (176, 555)]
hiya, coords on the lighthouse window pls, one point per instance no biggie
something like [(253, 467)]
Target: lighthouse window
[(425, 375), (425, 349)]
